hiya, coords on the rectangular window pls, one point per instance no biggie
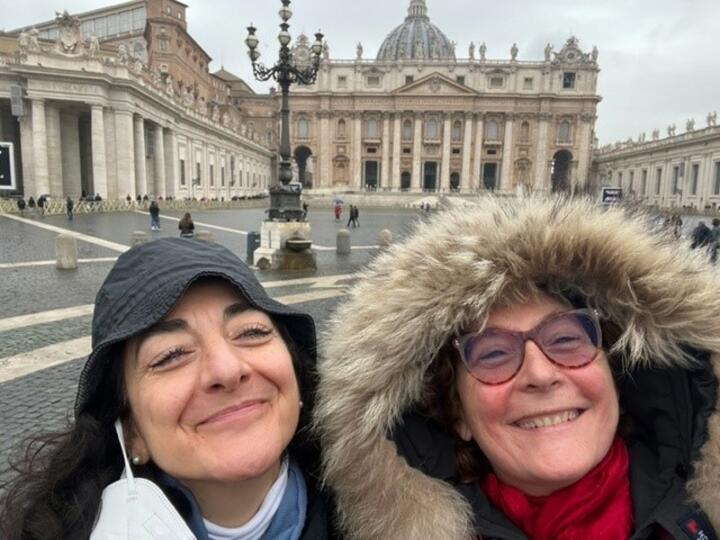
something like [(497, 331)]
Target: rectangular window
[(676, 179), (717, 178), (124, 22), (620, 175), (222, 176), (407, 150), (164, 45), (568, 80), (658, 181), (182, 172), (409, 79), (342, 82), (456, 151), (528, 83), (460, 79), (371, 150), (497, 82), (198, 174), (101, 27), (695, 178), (644, 182), (112, 25), (632, 181), (373, 81), (212, 175), (138, 18)]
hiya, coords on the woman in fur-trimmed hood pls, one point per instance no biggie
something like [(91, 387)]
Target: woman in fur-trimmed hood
[(542, 368)]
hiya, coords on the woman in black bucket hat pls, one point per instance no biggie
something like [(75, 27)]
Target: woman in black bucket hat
[(190, 415)]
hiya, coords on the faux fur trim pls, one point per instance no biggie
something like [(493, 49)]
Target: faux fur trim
[(447, 275)]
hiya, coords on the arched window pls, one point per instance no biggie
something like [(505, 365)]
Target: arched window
[(491, 130), (457, 131), (432, 130), (564, 132), (372, 131), (341, 128), (407, 131), (139, 50), (303, 127), (525, 132)]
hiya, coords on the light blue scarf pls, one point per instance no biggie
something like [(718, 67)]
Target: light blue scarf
[(288, 522)]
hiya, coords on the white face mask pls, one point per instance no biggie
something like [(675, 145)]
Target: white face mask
[(137, 509)]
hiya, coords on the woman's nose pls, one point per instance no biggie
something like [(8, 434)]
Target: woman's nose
[(223, 366), (538, 371)]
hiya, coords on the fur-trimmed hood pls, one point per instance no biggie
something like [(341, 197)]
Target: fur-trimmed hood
[(663, 297)]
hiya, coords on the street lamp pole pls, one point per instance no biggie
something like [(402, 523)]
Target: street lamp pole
[(284, 201)]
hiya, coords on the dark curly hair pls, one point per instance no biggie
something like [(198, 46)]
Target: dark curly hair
[(60, 477)]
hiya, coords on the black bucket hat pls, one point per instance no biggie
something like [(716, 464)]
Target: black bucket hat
[(146, 283)]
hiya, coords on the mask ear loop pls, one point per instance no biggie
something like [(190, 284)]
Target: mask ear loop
[(128, 469)]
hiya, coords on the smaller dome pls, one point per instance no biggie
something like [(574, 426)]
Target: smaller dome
[(416, 39)]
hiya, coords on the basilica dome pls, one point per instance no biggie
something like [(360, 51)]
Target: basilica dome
[(416, 39)]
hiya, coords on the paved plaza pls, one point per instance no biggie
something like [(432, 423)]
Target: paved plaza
[(45, 313)]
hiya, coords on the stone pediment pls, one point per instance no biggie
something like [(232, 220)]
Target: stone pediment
[(435, 84)]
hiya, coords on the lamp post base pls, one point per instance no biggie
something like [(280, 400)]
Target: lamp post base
[(275, 253)]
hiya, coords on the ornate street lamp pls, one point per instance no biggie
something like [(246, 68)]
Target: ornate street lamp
[(284, 200)]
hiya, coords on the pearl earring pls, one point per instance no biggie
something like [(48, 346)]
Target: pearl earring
[(301, 404), (136, 460)]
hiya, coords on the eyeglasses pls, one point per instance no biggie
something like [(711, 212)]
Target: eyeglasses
[(494, 356)]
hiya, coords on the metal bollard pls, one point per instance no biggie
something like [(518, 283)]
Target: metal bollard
[(386, 238), (343, 242), (138, 237), (205, 236), (66, 252)]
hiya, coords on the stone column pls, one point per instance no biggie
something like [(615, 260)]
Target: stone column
[(356, 163), (125, 154), (159, 161), (172, 164), (54, 151), (397, 151), (507, 161), (140, 166), (417, 154), (71, 164), (465, 181), (27, 152), (113, 192), (40, 149), (97, 130), (445, 167), (385, 180), (477, 154), (542, 181), (585, 150), (323, 174)]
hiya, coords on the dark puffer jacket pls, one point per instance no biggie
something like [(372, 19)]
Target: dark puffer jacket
[(393, 471)]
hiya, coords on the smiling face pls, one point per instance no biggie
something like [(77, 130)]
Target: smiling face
[(212, 390), (548, 426)]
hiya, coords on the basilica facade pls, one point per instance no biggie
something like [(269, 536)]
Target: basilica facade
[(418, 117)]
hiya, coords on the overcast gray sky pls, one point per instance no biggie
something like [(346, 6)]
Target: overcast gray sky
[(660, 59)]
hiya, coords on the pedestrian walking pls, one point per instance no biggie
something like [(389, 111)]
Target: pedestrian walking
[(186, 226), (31, 202), (338, 211), (21, 206), (69, 205), (41, 204), (701, 236), (154, 216), (677, 224), (351, 215), (356, 216)]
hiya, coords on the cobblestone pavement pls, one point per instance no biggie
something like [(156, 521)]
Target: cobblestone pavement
[(34, 334)]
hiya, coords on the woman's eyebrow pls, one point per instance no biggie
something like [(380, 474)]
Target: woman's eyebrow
[(164, 327), (235, 309)]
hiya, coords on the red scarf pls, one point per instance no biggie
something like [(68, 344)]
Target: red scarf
[(596, 506)]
